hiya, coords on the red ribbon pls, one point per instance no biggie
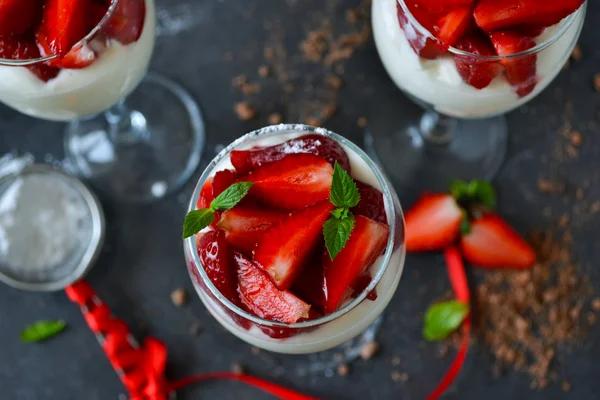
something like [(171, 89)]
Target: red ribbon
[(460, 286), (142, 368)]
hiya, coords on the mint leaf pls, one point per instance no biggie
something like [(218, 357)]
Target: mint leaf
[(337, 232), (42, 330), (197, 220), (442, 319), (231, 196), (465, 225), (340, 213), (459, 189), (483, 192), (344, 192)]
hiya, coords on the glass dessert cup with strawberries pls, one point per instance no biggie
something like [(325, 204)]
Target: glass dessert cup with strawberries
[(76, 61), (465, 64), (264, 268)]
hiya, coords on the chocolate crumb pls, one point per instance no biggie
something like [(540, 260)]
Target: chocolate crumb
[(275, 119), (179, 297), (577, 53), (343, 370), (591, 318), (576, 138), (597, 82), (551, 187), (565, 386), (579, 194), (362, 122), (269, 53), (398, 376), (333, 82), (264, 71), (237, 368), (244, 111), (396, 361), (351, 15), (239, 81), (368, 350), (596, 304)]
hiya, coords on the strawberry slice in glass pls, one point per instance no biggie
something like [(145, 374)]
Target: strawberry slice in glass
[(18, 16), (64, 23)]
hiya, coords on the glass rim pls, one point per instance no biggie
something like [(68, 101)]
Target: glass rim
[(565, 24), (390, 200), (86, 39)]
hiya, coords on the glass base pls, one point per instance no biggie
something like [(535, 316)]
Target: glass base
[(425, 151), (142, 149)]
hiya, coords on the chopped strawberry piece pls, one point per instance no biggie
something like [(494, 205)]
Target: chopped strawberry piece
[(520, 72), (493, 15), (475, 71), (245, 161), (126, 24), (433, 223), (283, 333), (293, 182), (18, 16), (285, 249), (310, 283), (371, 203), (64, 23), (213, 252), (367, 241), (492, 243), (23, 47), (245, 226), (441, 5), (454, 25), (261, 296), (422, 44), (206, 194), (97, 10), (222, 180)]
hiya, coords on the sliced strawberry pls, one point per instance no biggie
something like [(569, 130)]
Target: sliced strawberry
[(493, 15), (283, 333), (454, 25), (424, 46), (222, 180), (245, 226), (245, 161), (18, 16), (366, 243), (371, 203), (492, 243), (206, 194), (520, 72), (292, 183), (310, 283), (213, 252), (126, 24), (96, 11), (475, 71), (261, 296), (433, 223), (64, 23), (285, 249), (23, 47)]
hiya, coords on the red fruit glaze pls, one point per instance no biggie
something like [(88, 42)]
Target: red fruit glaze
[(361, 284), (245, 161), (520, 72), (293, 182), (453, 25), (366, 243), (64, 23), (423, 45), (206, 194), (285, 249), (261, 296), (433, 223), (283, 333), (18, 16), (222, 180), (371, 203), (23, 47), (245, 226), (475, 71), (492, 243), (126, 24), (213, 252)]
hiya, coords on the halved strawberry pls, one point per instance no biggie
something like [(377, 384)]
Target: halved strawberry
[(263, 298), (18, 16), (285, 249), (371, 203), (475, 71), (433, 223), (492, 243), (213, 252), (23, 47), (292, 183), (64, 23), (245, 161), (454, 25), (245, 226), (222, 180), (424, 46), (493, 15), (521, 72), (367, 242), (126, 24), (206, 194)]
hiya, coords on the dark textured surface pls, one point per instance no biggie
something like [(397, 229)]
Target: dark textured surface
[(142, 261)]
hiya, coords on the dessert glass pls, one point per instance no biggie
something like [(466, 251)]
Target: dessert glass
[(331, 330), (457, 131), (134, 150)]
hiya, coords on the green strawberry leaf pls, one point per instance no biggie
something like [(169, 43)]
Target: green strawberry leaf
[(483, 192), (336, 233), (344, 192), (442, 319), (42, 330), (231, 196), (197, 220)]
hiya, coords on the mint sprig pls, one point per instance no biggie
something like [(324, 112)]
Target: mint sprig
[(344, 195), (42, 330), (442, 319), (197, 220), (481, 192)]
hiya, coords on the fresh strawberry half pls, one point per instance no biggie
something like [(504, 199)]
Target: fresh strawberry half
[(245, 226), (493, 15), (285, 249), (492, 243), (263, 298), (423, 45), (245, 161), (371, 203), (222, 180), (520, 72), (367, 241), (64, 23), (454, 25), (206, 194), (293, 182), (213, 252), (433, 223), (23, 47), (475, 71), (18, 16), (126, 24)]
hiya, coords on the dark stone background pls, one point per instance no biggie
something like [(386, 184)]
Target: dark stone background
[(142, 261)]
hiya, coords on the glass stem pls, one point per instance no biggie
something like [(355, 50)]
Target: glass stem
[(125, 126), (436, 128)]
